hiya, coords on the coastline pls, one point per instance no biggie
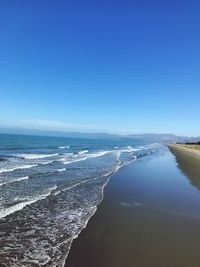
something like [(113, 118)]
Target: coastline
[(185, 150), (139, 222), (188, 161)]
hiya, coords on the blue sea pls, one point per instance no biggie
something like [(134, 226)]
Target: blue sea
[(49, 189)]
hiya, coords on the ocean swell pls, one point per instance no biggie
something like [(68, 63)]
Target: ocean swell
[(44, 208)]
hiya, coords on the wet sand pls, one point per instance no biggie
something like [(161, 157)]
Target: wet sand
[(150, 217), (188, 161)]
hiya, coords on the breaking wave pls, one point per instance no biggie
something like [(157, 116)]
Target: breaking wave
[(47, 198)]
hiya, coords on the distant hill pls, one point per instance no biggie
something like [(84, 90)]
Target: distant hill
[(38, 132), (152, 137), (160, 137)]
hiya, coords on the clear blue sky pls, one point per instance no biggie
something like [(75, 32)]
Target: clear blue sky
[(100, 65)]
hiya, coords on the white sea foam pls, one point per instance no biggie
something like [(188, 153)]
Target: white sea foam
[(86, 180), (77, 219), (46, 162), (24, 202), (62, 147), (61, 170), (35, 156), (132, 149), (99, 154), (67, 161), (81, 157), (83, 152), (94, 208), (15, 180), (18, 168)]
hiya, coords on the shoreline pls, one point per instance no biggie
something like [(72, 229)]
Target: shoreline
[(95, 207), (99, 204), (139, 223), (188, 161), (184, 149)]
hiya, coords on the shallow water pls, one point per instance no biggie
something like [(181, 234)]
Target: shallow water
[(149, 217), (49, 188)]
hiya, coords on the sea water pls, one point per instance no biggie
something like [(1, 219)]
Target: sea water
[(49, 189)]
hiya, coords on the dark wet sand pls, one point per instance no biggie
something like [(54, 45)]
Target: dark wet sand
[(150, 217)]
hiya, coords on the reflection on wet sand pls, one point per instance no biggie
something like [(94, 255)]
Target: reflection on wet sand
[(188, 162), (150, 217)]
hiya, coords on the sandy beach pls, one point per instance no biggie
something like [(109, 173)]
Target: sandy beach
[(188, 161), (149, 216)]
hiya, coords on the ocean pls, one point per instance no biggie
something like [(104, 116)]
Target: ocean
[(50, 187)]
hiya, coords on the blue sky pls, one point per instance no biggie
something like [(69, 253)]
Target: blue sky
[(115, 66)]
